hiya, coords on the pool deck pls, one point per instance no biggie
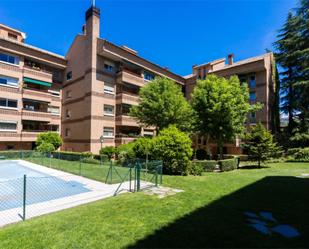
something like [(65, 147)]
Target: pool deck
[(98, 191)]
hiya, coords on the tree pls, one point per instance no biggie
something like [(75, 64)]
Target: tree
[(173, 147), (259, 144), (45, 147), (221, 106), (50, 138), (161, 104), (108, 151), (142, 147)]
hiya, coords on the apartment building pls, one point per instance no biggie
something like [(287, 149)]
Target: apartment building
[(30, 90), (257, 72), (86, 95)]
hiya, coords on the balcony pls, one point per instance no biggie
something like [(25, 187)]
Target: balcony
[(124, 120), (130, 77), (30, 129), (123, 139), (127, 98), (37, 74)]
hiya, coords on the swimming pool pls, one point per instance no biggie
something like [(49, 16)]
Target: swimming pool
[(40, 186)]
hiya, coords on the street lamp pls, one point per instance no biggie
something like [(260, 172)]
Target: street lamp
[(101, 141)]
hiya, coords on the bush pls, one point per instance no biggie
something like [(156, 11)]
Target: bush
[(87, 154), (16, 154), (108, 151), (229, 164), (45, 148), (196, 169), (142, 147), (293, 151), (201, 154), (207, 165), (302, 155), (125, 152), (173, 147), (49, 137), (90, 160)]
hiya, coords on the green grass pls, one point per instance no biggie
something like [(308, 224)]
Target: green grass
[(93, 171), (209, 213)]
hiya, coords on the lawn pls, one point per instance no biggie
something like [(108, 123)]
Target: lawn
[(209, 213)]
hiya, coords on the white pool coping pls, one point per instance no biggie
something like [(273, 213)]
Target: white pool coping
[(98, 191)]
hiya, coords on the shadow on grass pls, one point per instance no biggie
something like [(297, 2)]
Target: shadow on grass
[(222, 224)]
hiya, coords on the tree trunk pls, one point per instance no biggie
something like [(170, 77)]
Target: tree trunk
[(207, 147), (220, 147)]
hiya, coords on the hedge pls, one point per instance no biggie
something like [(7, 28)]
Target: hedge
[(207, 165), (224, 165), (15, 154)]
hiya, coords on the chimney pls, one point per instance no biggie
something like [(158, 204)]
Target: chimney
[(230, 59), (93, 22)]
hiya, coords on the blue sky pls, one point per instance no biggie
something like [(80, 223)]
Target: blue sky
[(172, 33)]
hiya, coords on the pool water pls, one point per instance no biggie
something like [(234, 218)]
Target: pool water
[(40, 187)]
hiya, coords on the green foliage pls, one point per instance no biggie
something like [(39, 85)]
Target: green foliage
[(125, 152), (87, 154), (302, 155), (173, 147), (292, 151), (259, 144), (229, 164), (221, 106), (196, 169), (108, 151), (90, 160), (45, 147), (50, 138), (142, 147), (161, 104), (207, 165)]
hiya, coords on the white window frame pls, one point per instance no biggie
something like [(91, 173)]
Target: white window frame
[(110, 129), (109, 114), (54, 108), (9, 63), (9, 122), (107, 88), (54, 93), (8, 107), (10, 84)]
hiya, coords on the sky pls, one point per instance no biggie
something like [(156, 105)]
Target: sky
[(172, 33)]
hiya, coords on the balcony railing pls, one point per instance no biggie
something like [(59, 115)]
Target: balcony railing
[(130, 77)]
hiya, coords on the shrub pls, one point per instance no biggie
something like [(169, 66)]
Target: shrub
[(229, 164), (125, 152), (201, 154), (207, 165), (142, 147), (45, 148), (302, 155), (173, 147), (49, 137), (292, 151), (109, 151), (196, 169), (87, 154)]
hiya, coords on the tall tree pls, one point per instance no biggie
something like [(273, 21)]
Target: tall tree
[(259, 144), (221, 106), (162, 104)]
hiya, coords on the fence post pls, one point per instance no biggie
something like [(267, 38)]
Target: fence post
[(24, 197), (156, 176), (130, 179), (111, 170), (161, 172), (80, 166), (138, 176)]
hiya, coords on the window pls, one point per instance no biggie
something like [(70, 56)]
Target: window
[(8, 81), (252, 96), (252, 117), (68, 113), (9, 59), (69, 75), (148, 76), (8, 126), (109, 66), (54, 110), (12, 36), (68, 94), (109, 110), (108, 132), (242, 79), (8, 103), (109, 88), (67, 132), (252, 82)]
